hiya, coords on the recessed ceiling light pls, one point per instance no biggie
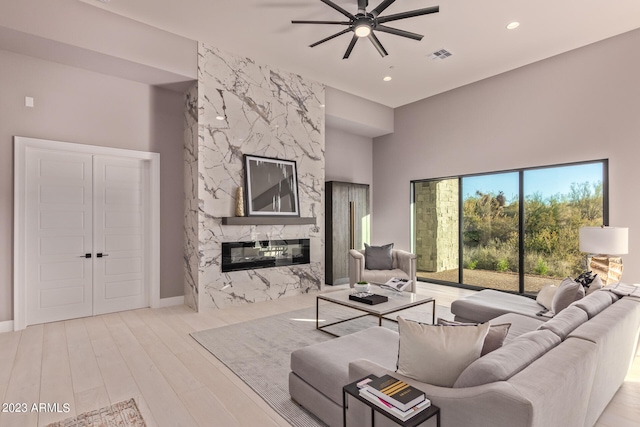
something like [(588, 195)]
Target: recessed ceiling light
[(219, 117), (387, 78), (321, 105), (513, 25)]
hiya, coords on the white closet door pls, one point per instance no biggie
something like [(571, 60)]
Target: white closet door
[(120, 202), (58, 235)]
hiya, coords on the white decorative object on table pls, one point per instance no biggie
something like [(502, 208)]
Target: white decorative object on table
[(362, 287)]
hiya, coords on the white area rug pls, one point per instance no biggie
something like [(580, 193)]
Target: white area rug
[(258, 351)]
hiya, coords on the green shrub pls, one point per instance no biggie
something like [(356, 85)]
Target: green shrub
[(472, 264), (542, 268), (502, 265)]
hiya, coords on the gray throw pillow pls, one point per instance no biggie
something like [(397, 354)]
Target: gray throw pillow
[(494, 339), (378, 257), (567, 293)]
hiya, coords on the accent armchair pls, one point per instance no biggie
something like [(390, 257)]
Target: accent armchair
[(404, 266)]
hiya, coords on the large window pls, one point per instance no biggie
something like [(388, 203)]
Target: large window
[(514, 231)]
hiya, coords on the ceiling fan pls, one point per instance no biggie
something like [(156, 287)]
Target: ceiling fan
[(363, 23)]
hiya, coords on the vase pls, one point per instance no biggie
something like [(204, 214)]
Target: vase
[(239, 202)]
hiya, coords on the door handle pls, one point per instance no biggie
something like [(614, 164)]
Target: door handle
[(85, 256), (100, 255)]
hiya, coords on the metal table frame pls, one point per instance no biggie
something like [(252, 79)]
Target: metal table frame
[(369, 310)]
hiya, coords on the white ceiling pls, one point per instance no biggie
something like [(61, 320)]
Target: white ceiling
[(474, 31)]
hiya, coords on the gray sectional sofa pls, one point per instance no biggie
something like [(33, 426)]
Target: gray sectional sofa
[(562, 372)]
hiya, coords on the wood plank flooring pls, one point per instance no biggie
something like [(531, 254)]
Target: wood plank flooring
[(148, 354)]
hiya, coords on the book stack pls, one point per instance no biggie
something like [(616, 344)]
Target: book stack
[(394, 396)]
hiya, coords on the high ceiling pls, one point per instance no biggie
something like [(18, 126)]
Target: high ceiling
[(473, 31)]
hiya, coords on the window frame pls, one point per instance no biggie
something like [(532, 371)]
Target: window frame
[(521, 216)]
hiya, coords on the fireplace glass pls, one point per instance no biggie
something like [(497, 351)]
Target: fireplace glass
[(264, 254)]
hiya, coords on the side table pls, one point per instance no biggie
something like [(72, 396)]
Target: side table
[(353, 391)]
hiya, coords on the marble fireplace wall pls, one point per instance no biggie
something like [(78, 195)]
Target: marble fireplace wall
[(191, 258), (248, 108)]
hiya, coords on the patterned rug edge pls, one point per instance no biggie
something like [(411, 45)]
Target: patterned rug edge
[(86, 419)]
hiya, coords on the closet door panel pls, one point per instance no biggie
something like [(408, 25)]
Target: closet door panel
[(120, 229), (58, 202)]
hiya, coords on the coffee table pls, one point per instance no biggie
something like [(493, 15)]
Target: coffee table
[(398, 301)]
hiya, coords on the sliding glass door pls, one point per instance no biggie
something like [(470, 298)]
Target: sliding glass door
[(558, 201), (490, 207), (514, 231)]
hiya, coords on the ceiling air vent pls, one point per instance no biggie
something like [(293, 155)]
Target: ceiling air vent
[(440, 54)]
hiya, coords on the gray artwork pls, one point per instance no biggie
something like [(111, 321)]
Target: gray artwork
[(272, 186)]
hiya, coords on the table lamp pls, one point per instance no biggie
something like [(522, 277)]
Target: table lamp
[(601, 243)]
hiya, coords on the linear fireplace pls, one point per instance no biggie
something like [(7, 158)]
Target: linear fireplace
[(264, 254)]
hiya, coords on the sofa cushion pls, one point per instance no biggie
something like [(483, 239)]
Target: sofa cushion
[(545, 296), (378, 257), (613, 296), (566, 321), (487, 304), (594, 303), (568, 292), (508, 360), (438, 354), (519, 325), (494, 339), (325, 365)]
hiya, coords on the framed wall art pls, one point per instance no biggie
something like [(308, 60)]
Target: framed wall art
[(271, 186)]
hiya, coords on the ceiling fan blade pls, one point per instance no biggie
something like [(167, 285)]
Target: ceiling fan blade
[(362, 4), (322, 22), (350, 48), (377, 44), (398, 32), (410, 14), (381, 7), (338, 8), (330, 37)]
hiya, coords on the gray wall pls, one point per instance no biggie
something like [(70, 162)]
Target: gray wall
[(80, 106), (348, 157), (581, 105)]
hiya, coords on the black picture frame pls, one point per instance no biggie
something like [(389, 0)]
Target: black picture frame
[(271, 185)]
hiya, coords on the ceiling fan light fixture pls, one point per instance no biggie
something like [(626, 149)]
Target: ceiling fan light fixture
[(362, 30)]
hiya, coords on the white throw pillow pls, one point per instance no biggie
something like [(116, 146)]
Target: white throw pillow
[(545, 295), (595, 285), (438, 354)]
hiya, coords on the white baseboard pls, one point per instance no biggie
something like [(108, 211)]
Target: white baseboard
[(6, 326), (168, 302)]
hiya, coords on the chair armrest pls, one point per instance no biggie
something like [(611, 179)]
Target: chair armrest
[(407, 263), (356, 266)]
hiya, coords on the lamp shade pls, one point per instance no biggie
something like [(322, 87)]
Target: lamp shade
[(604, 240)]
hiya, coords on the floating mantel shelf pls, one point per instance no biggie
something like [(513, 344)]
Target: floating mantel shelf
[(267, 220)]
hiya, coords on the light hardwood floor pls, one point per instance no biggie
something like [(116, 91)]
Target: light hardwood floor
[(148, 354)]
